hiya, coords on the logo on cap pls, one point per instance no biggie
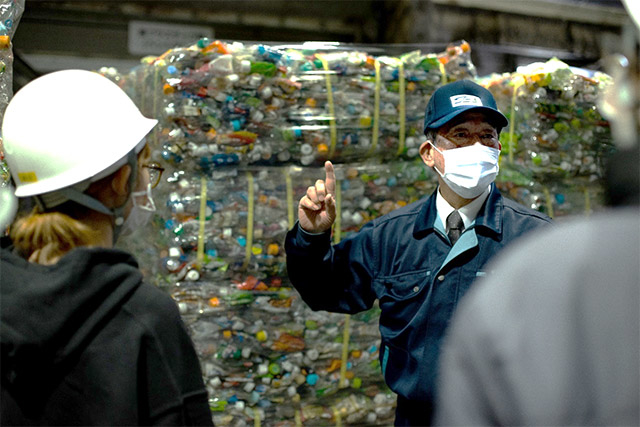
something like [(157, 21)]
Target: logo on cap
[(459, 100)]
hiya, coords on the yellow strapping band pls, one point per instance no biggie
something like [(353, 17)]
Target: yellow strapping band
[(290, 212), (202, 218), (332, 112), (443, 71), (519, 81), (401, 108), (155, 106), (337, 225), (247, 252), (346, 334), (143, 101), (336, 414), (345, 350), (547, 195), (376, 111), (298, 418)]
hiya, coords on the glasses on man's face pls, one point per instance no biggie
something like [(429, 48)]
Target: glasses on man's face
[(465, 138), (155, 173)]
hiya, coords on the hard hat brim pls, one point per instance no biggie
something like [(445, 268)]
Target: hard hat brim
[(71, 177)]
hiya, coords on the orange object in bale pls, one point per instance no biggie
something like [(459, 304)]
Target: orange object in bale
[(281, 303), (287, 342), (216, 47), (273, 249), (335, 364), (167, 89), (323, 149)]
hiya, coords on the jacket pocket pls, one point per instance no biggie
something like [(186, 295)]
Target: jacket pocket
[(404, 286), (400, 300)]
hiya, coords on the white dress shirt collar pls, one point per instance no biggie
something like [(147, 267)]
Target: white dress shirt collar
[(467, 212)]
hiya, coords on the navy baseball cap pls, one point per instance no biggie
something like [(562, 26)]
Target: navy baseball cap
[(455, 98)]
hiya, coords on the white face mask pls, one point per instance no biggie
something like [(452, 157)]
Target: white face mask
[(469, 170), (140, 214)]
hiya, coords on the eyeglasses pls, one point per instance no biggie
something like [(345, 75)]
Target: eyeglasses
[(155, 173), (463, 139)]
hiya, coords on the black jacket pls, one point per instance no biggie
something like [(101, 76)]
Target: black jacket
[(85, 342)]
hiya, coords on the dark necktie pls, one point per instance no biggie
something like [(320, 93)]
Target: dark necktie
[(455, 226)]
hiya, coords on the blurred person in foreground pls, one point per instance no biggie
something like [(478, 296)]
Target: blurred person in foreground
[(419, 260), (552, 337), (84, 341)]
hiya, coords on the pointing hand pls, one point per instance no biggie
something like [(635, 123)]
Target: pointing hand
[(317, 209)]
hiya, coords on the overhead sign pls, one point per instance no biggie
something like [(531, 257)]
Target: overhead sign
[(155, 38)]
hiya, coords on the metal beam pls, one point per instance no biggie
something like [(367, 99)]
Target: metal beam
[(583, 12)]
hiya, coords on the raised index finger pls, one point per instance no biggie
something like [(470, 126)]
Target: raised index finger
[(330, 179)]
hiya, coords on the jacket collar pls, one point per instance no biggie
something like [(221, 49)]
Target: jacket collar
[(489, 216)]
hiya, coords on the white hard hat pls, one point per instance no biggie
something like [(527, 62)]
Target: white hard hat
[(68, 127), (633, 8), (8, 206)]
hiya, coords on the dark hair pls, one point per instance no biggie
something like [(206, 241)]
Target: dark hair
[(431, 135)]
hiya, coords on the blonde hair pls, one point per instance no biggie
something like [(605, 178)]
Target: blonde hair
[(44, 237)]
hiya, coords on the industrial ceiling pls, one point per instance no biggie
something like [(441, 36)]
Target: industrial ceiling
[(89, 34)]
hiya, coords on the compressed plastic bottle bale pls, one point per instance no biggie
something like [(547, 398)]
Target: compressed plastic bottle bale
[(223, 103), (555, 127), (10, 14), (244, 131)]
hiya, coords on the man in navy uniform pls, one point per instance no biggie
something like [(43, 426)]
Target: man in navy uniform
[(419, 260)]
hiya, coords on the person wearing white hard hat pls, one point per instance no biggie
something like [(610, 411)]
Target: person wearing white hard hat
[(84, 340)]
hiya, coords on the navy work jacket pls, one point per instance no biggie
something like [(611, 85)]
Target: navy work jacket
[(404, 260)]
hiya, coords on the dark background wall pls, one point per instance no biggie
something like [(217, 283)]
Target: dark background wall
[(503, 33)]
